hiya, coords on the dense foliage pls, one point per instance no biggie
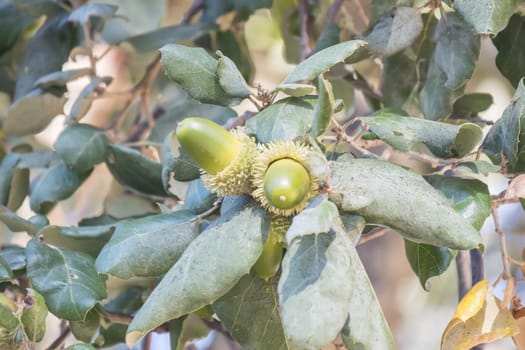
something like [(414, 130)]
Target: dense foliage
[(409, 154)]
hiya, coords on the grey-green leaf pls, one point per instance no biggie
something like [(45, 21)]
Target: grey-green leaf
[(250, 312), (66, 279), (442, 139), (283, 120), (427, 260), (469, 197), (366, 327), (510, 59), (320, 62), (198, 197), (230, 78), (389, 195), (315, 289), (32, 113), (14, 256), (211, 265), (435, 98), (15, 223), (82, 146), (83, 14), (5, 271), (196, 72), (61, 78), (486, 16), (320, 216), (166, 35), (324, 108), (471, 104), (34, 316), (57, 183), (395, 31), (147, 246), (295, 90), (457, 50), (132, 169), (502, 143)]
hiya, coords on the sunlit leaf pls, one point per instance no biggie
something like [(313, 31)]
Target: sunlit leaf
[(230, 77), (320, 62), (402, 200), (442, 139), (486, 16), (315, 289), (147, 246), (283, 120), (205, 271), (196, 72)]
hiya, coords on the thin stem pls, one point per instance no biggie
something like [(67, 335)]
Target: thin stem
[(464, 273), (502, 240)]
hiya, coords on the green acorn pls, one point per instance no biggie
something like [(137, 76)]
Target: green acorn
[(283, 183), (269, 261), (224, 156)]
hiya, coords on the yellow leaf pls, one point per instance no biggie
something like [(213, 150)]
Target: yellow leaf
[(479, 318), (472, 302)]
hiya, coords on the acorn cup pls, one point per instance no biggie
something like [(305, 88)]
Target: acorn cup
[(225, 157), (283, 183)]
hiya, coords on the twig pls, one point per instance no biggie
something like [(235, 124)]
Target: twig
[(476, 265), (305, 23), (363, 86), (232, 123), (464, 273), (141, 90), (378, 232), (193, 10), (502, 240), (332, 12), (60, 340)]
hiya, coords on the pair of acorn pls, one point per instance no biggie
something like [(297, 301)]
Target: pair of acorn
[(276, 174)]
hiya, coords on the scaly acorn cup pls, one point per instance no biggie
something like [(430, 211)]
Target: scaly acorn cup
[(269, 261), (283, 183), (224, 156)]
